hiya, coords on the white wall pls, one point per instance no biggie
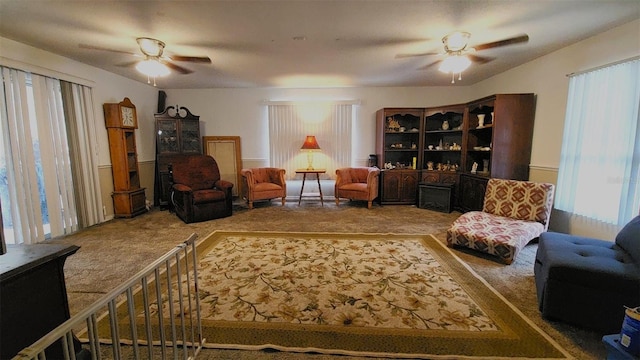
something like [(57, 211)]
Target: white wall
[(241, 112)]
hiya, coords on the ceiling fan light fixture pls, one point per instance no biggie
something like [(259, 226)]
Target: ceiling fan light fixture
[(150, 47), (454, 64), (153, 68), (456, 41)]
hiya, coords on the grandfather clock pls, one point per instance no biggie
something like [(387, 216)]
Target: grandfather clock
[(121, 120)]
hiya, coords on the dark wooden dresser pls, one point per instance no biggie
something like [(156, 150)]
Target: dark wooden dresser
[(33, 295)]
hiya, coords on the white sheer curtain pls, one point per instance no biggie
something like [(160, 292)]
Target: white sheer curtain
[(330, 123), (599, 166)]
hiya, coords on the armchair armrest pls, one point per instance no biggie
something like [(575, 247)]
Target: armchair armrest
[(277, 176), (182, 188), (224, 185)]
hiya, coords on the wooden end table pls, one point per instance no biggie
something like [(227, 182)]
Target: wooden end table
[(304, 173)]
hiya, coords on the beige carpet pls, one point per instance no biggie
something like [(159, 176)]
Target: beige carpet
[(112, 252)]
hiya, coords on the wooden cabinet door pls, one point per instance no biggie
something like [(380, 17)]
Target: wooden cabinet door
[(409, 189), (391, 183), (431, 177)]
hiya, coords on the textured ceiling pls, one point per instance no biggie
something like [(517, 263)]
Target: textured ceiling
[(343, 43)]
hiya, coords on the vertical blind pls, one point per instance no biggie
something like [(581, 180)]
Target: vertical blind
[(330, 123), (48, 156), (599, 167)]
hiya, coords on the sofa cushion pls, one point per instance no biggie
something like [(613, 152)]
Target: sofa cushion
[(588, 262), (629, 239)]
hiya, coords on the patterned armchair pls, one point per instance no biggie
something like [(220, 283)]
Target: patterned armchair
[(263, 184), (514, 213), (198, 193), (357, 183)]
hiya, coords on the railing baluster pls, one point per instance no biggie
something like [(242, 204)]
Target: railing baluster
[(147, 317), (163, 342), (136, 288)]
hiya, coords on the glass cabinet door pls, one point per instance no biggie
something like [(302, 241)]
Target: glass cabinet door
[(167, 135), (191, 137)]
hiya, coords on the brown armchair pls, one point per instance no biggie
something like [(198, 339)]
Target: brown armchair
[(197, 192), (357, 183), (263, 184)]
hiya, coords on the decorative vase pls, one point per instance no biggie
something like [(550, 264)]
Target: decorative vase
[(445, 125), (481, 120)]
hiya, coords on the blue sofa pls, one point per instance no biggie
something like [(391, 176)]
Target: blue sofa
[(587, 282)]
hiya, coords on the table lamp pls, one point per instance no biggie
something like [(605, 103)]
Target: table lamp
[(310, 145)]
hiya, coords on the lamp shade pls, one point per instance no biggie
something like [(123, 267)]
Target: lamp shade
[(310, 144)]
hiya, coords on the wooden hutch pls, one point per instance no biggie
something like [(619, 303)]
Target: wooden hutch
[(440, 145)]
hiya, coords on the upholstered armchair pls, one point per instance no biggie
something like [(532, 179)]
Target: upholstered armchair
[(197, 192), (263, 184), (513, 214), (357, 183)]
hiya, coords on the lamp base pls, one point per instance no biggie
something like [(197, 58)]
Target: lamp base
[(310, 160)]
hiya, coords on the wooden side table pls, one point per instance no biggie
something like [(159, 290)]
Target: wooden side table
[(304, 173)]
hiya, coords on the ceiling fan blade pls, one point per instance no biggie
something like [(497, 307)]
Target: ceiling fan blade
[(480, 59), (514, 40), (177, 68), (199, 59), (92, 47), (430, 65), (127, 64), (399, 56)]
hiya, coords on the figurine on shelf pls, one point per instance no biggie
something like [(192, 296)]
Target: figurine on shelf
[(393, 124), (445, 125), (474, 168), (429, 165)]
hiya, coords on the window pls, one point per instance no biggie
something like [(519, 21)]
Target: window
[(600, 161), (45, 189), (330, 123)]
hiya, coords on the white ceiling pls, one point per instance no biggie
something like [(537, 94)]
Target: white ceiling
[(347, 43)]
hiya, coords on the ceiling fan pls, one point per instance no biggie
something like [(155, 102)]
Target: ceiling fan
[(458, 54), (155, 63)]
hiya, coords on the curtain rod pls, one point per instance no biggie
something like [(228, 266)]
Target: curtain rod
[(294, 102), (603, 66), (39, 70)]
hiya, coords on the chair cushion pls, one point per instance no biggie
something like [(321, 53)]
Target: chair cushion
[(354, 175), (265, 186), (629, 239), (362, 187), (196, 171), (207, 196), (522, 200), (496, 235)]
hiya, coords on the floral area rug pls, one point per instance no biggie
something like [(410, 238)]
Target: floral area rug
[(361, 294), (381, 295)]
